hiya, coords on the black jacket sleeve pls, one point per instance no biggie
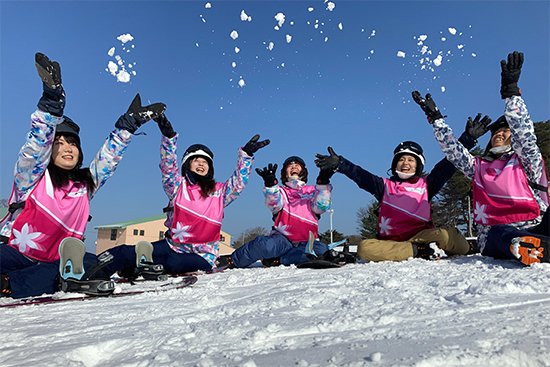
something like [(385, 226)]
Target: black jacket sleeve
[(363, 178)]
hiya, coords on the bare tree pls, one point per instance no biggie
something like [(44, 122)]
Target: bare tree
[(249, 235)]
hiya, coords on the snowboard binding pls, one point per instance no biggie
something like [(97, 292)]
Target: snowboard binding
[(74, 278), (145, 267)]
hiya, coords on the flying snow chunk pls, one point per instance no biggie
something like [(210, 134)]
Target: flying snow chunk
[(233, 64), (234, 35), (341, 26), (443, 88), (310, 9), (474, 55), (443, 39), (123, 76), (330, 6), (245, 17), (288, 38), (452, 31), (422, 37), (237, 50), (280, 18), (270, 46), (112, 68), (373, 33), (208, 5), (437, 60), (460, 47), (111, 52), (125, 38), (400, 54), (241, 83)]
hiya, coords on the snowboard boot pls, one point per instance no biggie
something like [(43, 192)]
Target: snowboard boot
[(145, 267), (5, 288), (73, 277), (225, 262), (271, 262), (531, 249), (426, 251)]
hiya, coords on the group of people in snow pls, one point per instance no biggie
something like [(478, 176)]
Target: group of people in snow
[(51, 195)]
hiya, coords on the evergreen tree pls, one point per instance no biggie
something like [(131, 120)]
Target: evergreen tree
[(336, 236), (542, 130), (367, 218)]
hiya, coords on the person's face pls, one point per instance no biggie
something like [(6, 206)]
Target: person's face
[(64, 154), (501, 137), (293, 169), (199, 166), (406, 164)]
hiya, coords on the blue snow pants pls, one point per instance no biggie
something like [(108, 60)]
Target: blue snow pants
[(31, 277), (124, 257), (274, 245), (500, 237)]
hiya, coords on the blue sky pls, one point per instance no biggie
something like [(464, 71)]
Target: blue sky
[(334, 84)]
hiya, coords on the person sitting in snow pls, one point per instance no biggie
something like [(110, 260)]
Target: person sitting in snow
[(405, 227), (51, 194), (196, 205), (296, 208), (509, 181)]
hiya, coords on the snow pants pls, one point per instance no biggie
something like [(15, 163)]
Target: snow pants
[(499, 239), (173, 262), (274, 245), (449, 239), (31, 277)]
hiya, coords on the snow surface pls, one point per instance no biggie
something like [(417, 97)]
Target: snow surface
[(466, 311)]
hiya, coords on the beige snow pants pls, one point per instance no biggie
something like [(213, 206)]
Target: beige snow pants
[(449, 239)]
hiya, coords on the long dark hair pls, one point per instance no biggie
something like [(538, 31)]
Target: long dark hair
[(60, 177)]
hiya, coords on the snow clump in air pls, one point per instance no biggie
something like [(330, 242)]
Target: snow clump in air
[(118, 67), (208, 5), (241, 83), (234, 34), (288, 38), (245, 17), (280, 18), (452, 30), (400, 54), (330, 6)]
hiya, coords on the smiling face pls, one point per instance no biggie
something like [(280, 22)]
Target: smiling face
[(199, 165), (501, 137), (406, 164), (65, 153), (293, 169)]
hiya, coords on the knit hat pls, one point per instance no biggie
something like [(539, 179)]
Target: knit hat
[(68, 127), (198, 150)]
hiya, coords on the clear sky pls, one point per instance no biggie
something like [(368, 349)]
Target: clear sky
[(339, 82)]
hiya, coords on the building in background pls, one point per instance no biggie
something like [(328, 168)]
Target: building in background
[(149, 229)]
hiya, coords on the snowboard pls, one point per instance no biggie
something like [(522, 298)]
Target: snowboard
[(122, 290), (316, 262)]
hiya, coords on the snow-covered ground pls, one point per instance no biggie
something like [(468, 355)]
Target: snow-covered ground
[(469, 311)]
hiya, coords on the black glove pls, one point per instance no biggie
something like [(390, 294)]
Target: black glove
[(428, 106), (165, 126), (324, 176), (53, 95), (328, 162), (478, 126), (268, 174), (137, 114), (510, 72), (254, 145)]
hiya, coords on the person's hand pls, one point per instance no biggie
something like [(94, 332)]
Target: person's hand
[(328, 162), (137, 114), (165, 126), (428, 106), (53, 96), (510, 72), (478, 126), (253, 145), (268, 174)]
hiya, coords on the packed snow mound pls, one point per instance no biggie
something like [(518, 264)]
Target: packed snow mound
[(464, 311)]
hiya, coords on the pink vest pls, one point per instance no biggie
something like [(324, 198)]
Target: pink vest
[(197, 219), (50, 215), (501, 192), (296, 219), (404, 210)]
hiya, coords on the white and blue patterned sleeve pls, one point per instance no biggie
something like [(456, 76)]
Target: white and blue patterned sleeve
[(106, 160), (455, 152), (524, 140), (35, 154)]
